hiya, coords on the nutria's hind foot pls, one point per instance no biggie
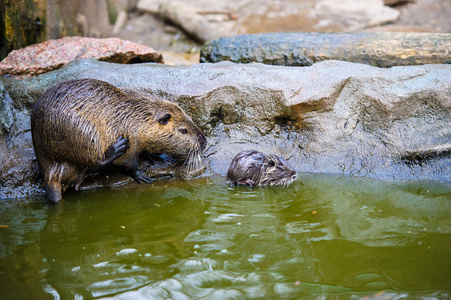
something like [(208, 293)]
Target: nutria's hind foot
[(115, 151), (140, 176), (54, 191)]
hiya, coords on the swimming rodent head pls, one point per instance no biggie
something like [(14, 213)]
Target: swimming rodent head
[(255, 168)]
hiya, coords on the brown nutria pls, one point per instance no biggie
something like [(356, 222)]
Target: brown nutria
[(255, 168), (81, 126)]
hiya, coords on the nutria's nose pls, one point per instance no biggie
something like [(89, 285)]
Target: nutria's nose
[(202, 141)]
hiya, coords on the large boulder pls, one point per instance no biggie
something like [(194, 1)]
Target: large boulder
[(333, 117), (53, 54), (380, 49)]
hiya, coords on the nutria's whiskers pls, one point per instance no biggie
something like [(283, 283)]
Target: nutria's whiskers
[(194, 161), (193, 165)]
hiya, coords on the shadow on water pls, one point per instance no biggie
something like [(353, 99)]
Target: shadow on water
[(323, 235)]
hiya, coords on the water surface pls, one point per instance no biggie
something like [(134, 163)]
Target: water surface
[(322, 236)]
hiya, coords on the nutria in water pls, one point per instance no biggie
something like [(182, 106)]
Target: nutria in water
[(255, 168), (81, 126)]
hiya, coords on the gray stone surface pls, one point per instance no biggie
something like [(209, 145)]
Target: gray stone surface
[(332, 117), (358, 13), (382, 49)]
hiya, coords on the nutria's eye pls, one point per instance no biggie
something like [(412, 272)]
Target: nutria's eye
[(183, 130), (271, 163), (165, 119)]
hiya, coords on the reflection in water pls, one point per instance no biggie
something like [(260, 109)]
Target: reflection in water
[(323, 235)]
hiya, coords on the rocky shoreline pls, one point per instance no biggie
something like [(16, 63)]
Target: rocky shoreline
[(331, 117)]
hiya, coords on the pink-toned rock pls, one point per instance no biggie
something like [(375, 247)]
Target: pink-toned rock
[(53, 54)]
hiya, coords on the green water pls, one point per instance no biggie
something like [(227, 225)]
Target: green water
[(322, 237)]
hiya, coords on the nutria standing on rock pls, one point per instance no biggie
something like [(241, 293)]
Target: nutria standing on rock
[(255, 168), (81, 126)]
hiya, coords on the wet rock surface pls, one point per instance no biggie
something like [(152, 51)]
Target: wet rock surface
[(303, 49), (332, 117), (53, 54)]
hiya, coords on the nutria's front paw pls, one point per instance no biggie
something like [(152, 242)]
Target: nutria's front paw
[(118, 148), (139, 176), (247, 181)]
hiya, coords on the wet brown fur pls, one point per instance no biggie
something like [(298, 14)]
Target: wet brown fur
[(255, 168), (78, 124)]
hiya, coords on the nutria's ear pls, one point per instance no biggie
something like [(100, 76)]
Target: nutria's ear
[(164, 119)]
